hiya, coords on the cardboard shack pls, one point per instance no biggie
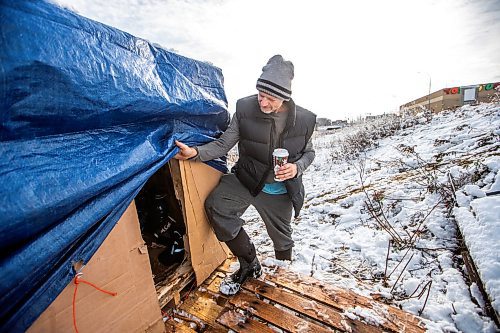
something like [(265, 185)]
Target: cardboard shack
[(99, 226)]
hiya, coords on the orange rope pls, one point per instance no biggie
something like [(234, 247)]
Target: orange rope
[(77, 281), (189, 292), (164, 314)]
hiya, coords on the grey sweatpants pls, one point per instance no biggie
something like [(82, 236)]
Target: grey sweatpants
[(229, 200)]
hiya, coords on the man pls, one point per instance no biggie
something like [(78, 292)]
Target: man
[(261, 123)]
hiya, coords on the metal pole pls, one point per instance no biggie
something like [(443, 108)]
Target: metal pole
[(429, 96)]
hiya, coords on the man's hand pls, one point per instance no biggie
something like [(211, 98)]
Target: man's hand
[(186, 152), (287, 171)]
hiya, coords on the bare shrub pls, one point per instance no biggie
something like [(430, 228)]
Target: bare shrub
[(365, 136)]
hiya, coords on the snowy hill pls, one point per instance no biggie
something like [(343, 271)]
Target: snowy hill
[(386, 223)]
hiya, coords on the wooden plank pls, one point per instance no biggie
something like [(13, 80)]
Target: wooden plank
[(188, 320), (205, 308), (227, 317), (174, 326), (240, 323), (274, 315), (210, 279), (213, 286), (225, 267), (213, 330), (167, 290), (320, 312), (474, 277), (343, 300)]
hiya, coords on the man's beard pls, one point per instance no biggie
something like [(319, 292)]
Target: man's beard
[(270, 111)]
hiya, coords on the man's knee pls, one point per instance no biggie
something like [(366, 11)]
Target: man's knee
[(209, 207), (211, 201)]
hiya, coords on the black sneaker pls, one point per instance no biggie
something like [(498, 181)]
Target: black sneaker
[(232, 284)]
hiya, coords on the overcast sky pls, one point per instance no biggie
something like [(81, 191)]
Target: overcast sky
[(351, 57)]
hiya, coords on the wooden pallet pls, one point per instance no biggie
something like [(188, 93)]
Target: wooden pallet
[(289, 302), (170, 289)]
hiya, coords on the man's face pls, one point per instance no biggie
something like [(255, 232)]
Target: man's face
[(269, 103)]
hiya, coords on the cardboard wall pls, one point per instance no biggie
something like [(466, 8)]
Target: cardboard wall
[(122, 265), (198, 180)]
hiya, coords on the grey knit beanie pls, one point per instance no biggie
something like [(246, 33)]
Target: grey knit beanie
[(276, 78)]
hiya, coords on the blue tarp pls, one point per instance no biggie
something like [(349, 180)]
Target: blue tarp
[(87, 114)]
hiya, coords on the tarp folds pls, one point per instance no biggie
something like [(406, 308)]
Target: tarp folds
[(87, 114)]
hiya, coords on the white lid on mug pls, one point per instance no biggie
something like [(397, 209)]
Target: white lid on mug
[(280, 152)]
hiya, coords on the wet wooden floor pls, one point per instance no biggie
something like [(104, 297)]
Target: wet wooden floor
[(285, 301)]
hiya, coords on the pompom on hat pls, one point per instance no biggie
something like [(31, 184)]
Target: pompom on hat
[(276, 78)]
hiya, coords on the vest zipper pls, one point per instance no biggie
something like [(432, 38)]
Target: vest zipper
[(266, 174)]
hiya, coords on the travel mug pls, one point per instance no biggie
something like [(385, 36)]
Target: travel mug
[(280, 158)]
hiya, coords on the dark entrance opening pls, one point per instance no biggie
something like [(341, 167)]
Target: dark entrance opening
[(162, 224)]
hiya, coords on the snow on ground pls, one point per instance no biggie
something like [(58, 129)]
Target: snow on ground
[(479, 219), (407, 175)]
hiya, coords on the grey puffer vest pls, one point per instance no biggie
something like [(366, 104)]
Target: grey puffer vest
[(255, 145)]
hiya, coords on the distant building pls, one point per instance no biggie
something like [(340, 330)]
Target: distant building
[(320, 122), (339, 123), (334, 125), (450, 98)]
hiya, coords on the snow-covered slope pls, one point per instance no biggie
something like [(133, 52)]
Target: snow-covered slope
[(342, 236)]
